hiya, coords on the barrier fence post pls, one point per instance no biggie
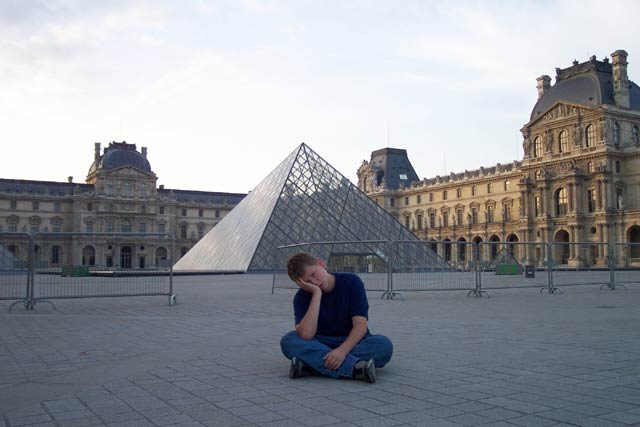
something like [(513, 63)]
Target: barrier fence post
[(172, 296), (477, 292), (31, 275), (549, 262)]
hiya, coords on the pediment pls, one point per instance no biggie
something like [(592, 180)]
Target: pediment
[(129, 172), (560, 111)]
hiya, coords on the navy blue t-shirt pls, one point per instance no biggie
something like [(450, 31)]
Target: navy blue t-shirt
[(347, 299)]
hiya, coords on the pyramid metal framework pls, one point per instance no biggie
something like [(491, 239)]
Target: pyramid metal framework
[(304, 199)]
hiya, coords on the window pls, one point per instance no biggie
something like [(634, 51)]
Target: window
[(536, 206), (56, 206), (392, 202), (109, 260), (36, 206), (590, 136), (561, 201), (507, 184), (635, 135), (419, 221), (537, 147), (563, 142), (88, 226), (200, 230), (489, 188), (56, 224), (200, 213), (89, 206), (474, 215), (445, 219), (12, 224), (111, 208), (142, 227), (507, 211), (13, 205), (407, 221), (431, 197), (590, 167), (432, 219), (419, 198), (591, 200), (459, 218), (125, 226), (490, 210), (618, 166), (34, 222), (184, 212), (161, 228), (55, 254), (459, 192), (111, 188), (161, 210), (406, 201), (126, 188), (444, 195), (143, 189), (183, 231), (218, 212), (473, 190), (616, 134), (111, 226), (143, 209)]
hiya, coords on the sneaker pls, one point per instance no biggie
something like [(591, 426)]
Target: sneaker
[(365, 370), (295, 370)]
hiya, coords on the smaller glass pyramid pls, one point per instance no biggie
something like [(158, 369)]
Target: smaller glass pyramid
[(304, 199)]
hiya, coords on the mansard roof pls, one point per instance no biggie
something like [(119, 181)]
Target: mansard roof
[(589, 83), (47, 188)]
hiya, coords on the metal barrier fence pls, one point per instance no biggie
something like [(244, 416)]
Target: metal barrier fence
[(369, 259), (16, 251), (625, 261), (404, 266), (87, 265), (417, 267)]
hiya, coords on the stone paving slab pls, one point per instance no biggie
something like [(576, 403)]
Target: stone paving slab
[(519, 358)]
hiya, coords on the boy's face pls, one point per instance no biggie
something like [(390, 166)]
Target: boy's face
[(316, 275)]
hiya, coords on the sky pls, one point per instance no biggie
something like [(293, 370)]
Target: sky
[(221, 91)]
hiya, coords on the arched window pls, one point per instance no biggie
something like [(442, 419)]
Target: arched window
[(616, 134), (563, 142), (537, 147), (561, 201), (590, 136), (89, 256), (473, 190), (635, 135)]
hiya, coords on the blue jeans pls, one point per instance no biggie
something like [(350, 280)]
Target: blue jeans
[(311, 352)]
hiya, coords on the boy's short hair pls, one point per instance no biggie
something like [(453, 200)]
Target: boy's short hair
[(297, 263)]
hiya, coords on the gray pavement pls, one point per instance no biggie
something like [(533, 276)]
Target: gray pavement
[(518, 359)]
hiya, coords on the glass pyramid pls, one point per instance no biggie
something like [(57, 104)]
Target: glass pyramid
[(303, 200)]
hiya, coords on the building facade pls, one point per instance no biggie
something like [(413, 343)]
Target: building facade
[(119, 196), (579, 180)]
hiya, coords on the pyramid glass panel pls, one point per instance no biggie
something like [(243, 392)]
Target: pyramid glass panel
[(304, 200)]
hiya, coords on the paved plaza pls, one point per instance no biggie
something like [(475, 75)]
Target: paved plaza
[(519, 358)]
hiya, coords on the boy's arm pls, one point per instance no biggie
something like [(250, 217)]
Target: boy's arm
[(335, 357), (308, 326)]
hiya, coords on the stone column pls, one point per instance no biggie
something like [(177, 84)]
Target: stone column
[(599, 194), (570, 196)]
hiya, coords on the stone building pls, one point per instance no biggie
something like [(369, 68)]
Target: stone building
[(119, 196), (579, 180)]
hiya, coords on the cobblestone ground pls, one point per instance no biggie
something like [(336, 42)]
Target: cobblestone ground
[(519, 358)]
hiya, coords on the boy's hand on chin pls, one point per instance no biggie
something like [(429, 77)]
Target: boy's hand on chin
[(308, 287)]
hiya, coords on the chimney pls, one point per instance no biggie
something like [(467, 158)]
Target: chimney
[(144, 152), (544, 84), (620, 78), (96, 155), (70, 179), (162, 186)]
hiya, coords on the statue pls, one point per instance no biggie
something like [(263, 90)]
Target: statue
[(577, 136), (469, 219), (620, 202), (548, 141)]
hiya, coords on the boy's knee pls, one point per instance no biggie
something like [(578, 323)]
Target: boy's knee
[(287, 342), (384, 349)]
